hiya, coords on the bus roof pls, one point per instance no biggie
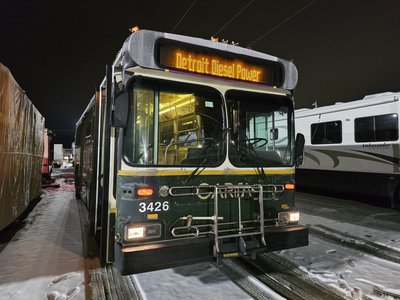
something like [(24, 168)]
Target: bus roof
[(142, 48)]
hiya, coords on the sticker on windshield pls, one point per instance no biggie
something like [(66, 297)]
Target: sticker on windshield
[(209, 104)]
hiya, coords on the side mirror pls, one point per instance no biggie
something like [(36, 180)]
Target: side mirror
[(299, 149), (273, 134), (120, 112)]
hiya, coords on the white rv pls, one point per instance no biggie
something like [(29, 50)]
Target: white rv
[(352, 148)]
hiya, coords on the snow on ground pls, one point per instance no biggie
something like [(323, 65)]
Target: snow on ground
[(346, 270), (44, 259), (351, 272), (387, 238), (199, 281), (375, 224)]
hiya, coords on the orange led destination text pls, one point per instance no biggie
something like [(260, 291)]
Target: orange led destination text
[(217, 66)]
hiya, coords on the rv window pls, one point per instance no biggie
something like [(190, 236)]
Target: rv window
[(376, 128), (326, 133)]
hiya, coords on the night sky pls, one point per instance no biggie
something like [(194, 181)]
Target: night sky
[(57, 50)]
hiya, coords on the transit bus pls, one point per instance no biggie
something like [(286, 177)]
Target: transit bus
[(186, 153), (352, 149)]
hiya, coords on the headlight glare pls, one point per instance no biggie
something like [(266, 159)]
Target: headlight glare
[(289, 217), (294, 216), (138, 231), (135, 233)]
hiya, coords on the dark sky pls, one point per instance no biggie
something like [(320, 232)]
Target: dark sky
[(57, 50)]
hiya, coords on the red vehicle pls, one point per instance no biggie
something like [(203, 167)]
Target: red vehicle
[(48, 154)]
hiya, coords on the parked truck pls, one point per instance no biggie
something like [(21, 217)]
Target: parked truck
[(58, 155), (21, 149)]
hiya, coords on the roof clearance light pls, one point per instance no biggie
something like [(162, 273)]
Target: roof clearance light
[(214, 39), (290, 186), (145, 192), (134, 29)]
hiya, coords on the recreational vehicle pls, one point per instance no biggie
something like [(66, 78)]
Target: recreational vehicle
[(352, 149)]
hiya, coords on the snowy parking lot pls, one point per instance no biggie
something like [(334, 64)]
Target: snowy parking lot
[(45, 260)]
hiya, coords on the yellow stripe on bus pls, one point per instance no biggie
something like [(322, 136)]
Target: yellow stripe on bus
[(205, 172)]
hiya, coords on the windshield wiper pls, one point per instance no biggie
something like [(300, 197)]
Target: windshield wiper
[(261, 172), (252, 153), (205, 160), (194, 173)]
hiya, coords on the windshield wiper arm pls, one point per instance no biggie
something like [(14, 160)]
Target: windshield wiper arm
[(253, 154), (193, 174)]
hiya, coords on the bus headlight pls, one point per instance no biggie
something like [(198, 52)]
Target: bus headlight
[(289, 217), (134, 233), (294, 216), (140, 231)]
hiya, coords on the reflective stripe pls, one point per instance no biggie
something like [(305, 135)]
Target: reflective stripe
[(153, 172)]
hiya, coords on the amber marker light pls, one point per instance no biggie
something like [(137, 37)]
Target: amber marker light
[(134, 29), (290, 186), (214, 39), (145, 192)]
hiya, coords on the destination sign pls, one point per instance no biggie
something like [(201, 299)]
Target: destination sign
[(203, 61)]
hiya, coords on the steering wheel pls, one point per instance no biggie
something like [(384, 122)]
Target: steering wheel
[(254, 141)]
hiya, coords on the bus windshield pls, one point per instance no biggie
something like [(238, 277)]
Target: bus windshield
[(174, 124), (261, 130)]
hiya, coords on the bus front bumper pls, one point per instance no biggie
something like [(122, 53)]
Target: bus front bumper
[(157, 256), (281, 238), (170, 254)]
